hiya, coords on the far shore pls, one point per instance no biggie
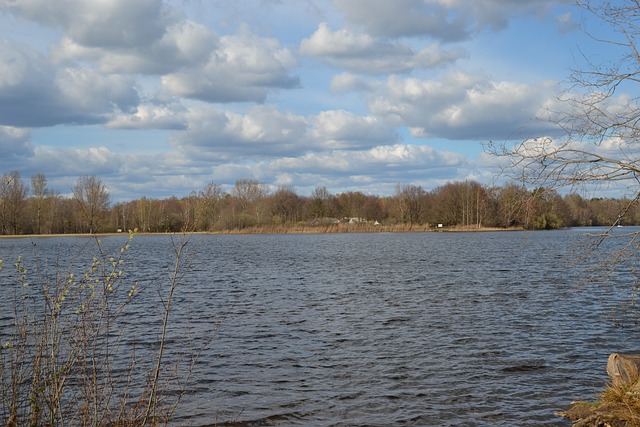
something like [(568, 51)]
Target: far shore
[(331, 229)]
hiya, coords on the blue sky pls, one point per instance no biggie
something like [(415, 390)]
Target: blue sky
[(159, 98)]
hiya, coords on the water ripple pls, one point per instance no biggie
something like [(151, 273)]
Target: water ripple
[(480, 329)]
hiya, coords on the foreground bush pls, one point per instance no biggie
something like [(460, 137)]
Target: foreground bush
[(66, 357)]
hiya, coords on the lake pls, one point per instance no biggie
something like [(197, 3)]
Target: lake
[(447, 329)]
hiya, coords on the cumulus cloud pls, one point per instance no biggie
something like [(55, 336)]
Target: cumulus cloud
[(263, 131), (15, 143), (56, 161), (88, 91), (380, 159), (346, 82), (365, 54), (376, 170), (444, 20), (339, 129), (407, 18), (150, 37), (465, 106), (106, 24), (266, 132), (183, 44), (33, 93), (151, 117), (155, 64), (243, 68)]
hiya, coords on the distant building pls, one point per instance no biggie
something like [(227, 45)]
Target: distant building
[(325, 221), (355, 220)]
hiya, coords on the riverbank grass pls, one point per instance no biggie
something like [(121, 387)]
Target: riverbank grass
[(617, 406)]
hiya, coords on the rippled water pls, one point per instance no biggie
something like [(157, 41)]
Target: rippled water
[(477, 329)]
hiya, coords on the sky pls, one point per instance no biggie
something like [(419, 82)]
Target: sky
[(158, 98)]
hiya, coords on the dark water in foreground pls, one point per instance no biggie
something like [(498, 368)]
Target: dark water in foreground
[(447, 329)]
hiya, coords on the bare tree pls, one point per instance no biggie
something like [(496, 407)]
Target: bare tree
[(39, 190), (600, 122), (92, 197), (411, 203), (318, 205), (512, 208), (286, 206), (251, 194), (13, 194), (463, 203), (209, 201)]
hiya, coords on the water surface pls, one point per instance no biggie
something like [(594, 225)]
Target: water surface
[(477, 329)]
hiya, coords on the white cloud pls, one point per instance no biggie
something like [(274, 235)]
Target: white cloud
[(108, 24), (407, 18), (159, 64), (243, 68), (151, 117), (14, 143), (88, 91), (465, 106), (99, 161), (364, 54), (183, 44), (339, 129), (262, 131), (325, 42), (375, 161), (150, 37), (346, 82), (444, 20), (266, 132), (33, 93), (376, 170)]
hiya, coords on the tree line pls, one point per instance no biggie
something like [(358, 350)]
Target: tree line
[(36, 209)]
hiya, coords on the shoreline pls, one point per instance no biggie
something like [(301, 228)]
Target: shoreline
[(340, 229)]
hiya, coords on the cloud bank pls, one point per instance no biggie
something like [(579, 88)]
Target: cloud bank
[(349, 94)]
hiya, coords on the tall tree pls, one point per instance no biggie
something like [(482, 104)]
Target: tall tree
[(286, 206), (411, 200), (318, 205), (39, 190), (512, 206), (13, 195), (462, 203), (92, 197), (251, 193), (209, 205)]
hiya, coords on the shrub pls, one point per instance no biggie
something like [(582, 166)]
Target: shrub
[(66, 358)]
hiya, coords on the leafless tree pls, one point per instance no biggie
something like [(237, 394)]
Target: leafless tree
[(461, 203), (598, 117), (209, 201), (318, 204), (251, 194), (39, 190), (286, 206), (411, 203), (92, 197), (600, 122), (13, 194)]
